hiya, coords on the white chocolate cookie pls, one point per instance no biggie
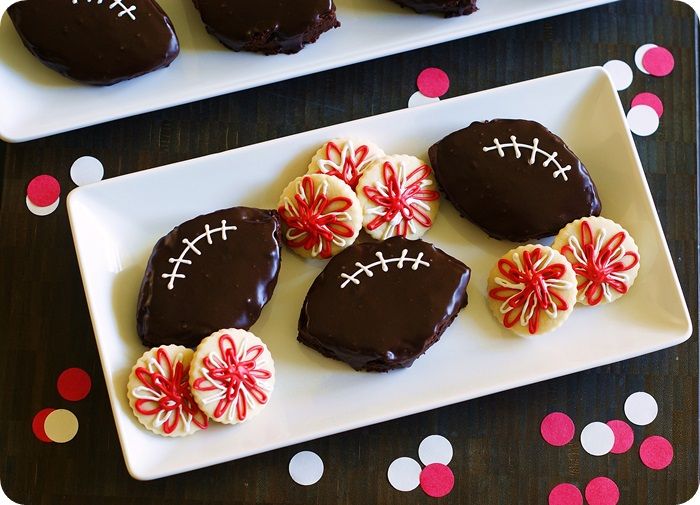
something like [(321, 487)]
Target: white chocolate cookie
[(532, 289), (399, 196), (345, 159), (159, 392), (232, 375), (603, 255), (321, 215)]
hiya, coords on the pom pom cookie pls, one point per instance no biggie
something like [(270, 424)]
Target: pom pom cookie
[(399, 197), (159, 392), (344, 158), (532, 289), (232, 376), (321, 215), (603, 255)]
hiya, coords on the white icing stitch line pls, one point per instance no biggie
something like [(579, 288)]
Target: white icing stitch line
[(191, 246), (129, 11), (535, 151), (384, 262)]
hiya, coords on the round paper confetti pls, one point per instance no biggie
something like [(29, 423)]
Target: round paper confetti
[(437, 480), (639, 54), (597, 439), (641, 408), (404, 474), (620, 73), (656, 452), (557, 429), (651, 100), (43, 190), (38, 424), (642, 120), (417, 99), (433, 82), (306, 468), (86, 170), (73, 384), (624, 436), (42, 211), (602, 491), (658, 61), (435, 449), (61, 426), (565, 494)]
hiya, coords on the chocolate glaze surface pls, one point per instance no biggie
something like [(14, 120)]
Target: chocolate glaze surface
[(226, 286), (95, 43), (267, 26), (449, 8), (506, 196), (389, 319)]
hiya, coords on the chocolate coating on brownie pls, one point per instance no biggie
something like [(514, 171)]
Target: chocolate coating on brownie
[(101, 42), (450, 8), (386, 313), (269, 27), (514, 192), (225, 277)]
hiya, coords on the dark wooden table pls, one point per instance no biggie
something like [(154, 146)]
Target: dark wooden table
[(499, 455)]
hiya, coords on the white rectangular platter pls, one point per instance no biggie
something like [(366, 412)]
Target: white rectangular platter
[(36, 102), (116, 222)]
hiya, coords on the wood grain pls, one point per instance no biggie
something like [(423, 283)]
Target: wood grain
[(499, 456)]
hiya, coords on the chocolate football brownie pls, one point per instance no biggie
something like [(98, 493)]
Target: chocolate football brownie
[(450, 8), (282, 26), (378, 306), (99, 42), (514, 179), (211, 272)]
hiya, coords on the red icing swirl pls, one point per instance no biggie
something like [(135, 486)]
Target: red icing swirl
[(236, 374), (528, 288), (173, 391), (400, 199), (600, 264), (350, 171)]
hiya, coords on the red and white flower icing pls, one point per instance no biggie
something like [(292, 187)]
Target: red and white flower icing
[(401, 200), (315, 221), (346, 163), (600, 262), (529, 286), (238, 374), (165, 393)]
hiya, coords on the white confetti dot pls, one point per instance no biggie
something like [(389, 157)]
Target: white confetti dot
[(597, 439), (42, 211), (404, 474), (435, 449), (306, 468), (641, 408), (639, 55), (419, 98), (620, 73), (86, 170), (642, 120), (61, 425)]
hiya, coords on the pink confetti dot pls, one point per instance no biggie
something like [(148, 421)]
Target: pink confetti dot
[(73, 384), (557, 429), (602, 491), (656, 452), (43, 190), (658, 61), (624, 436), (433, 82), (565, 494), (437, 480), (38, 425), (651, 100)]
